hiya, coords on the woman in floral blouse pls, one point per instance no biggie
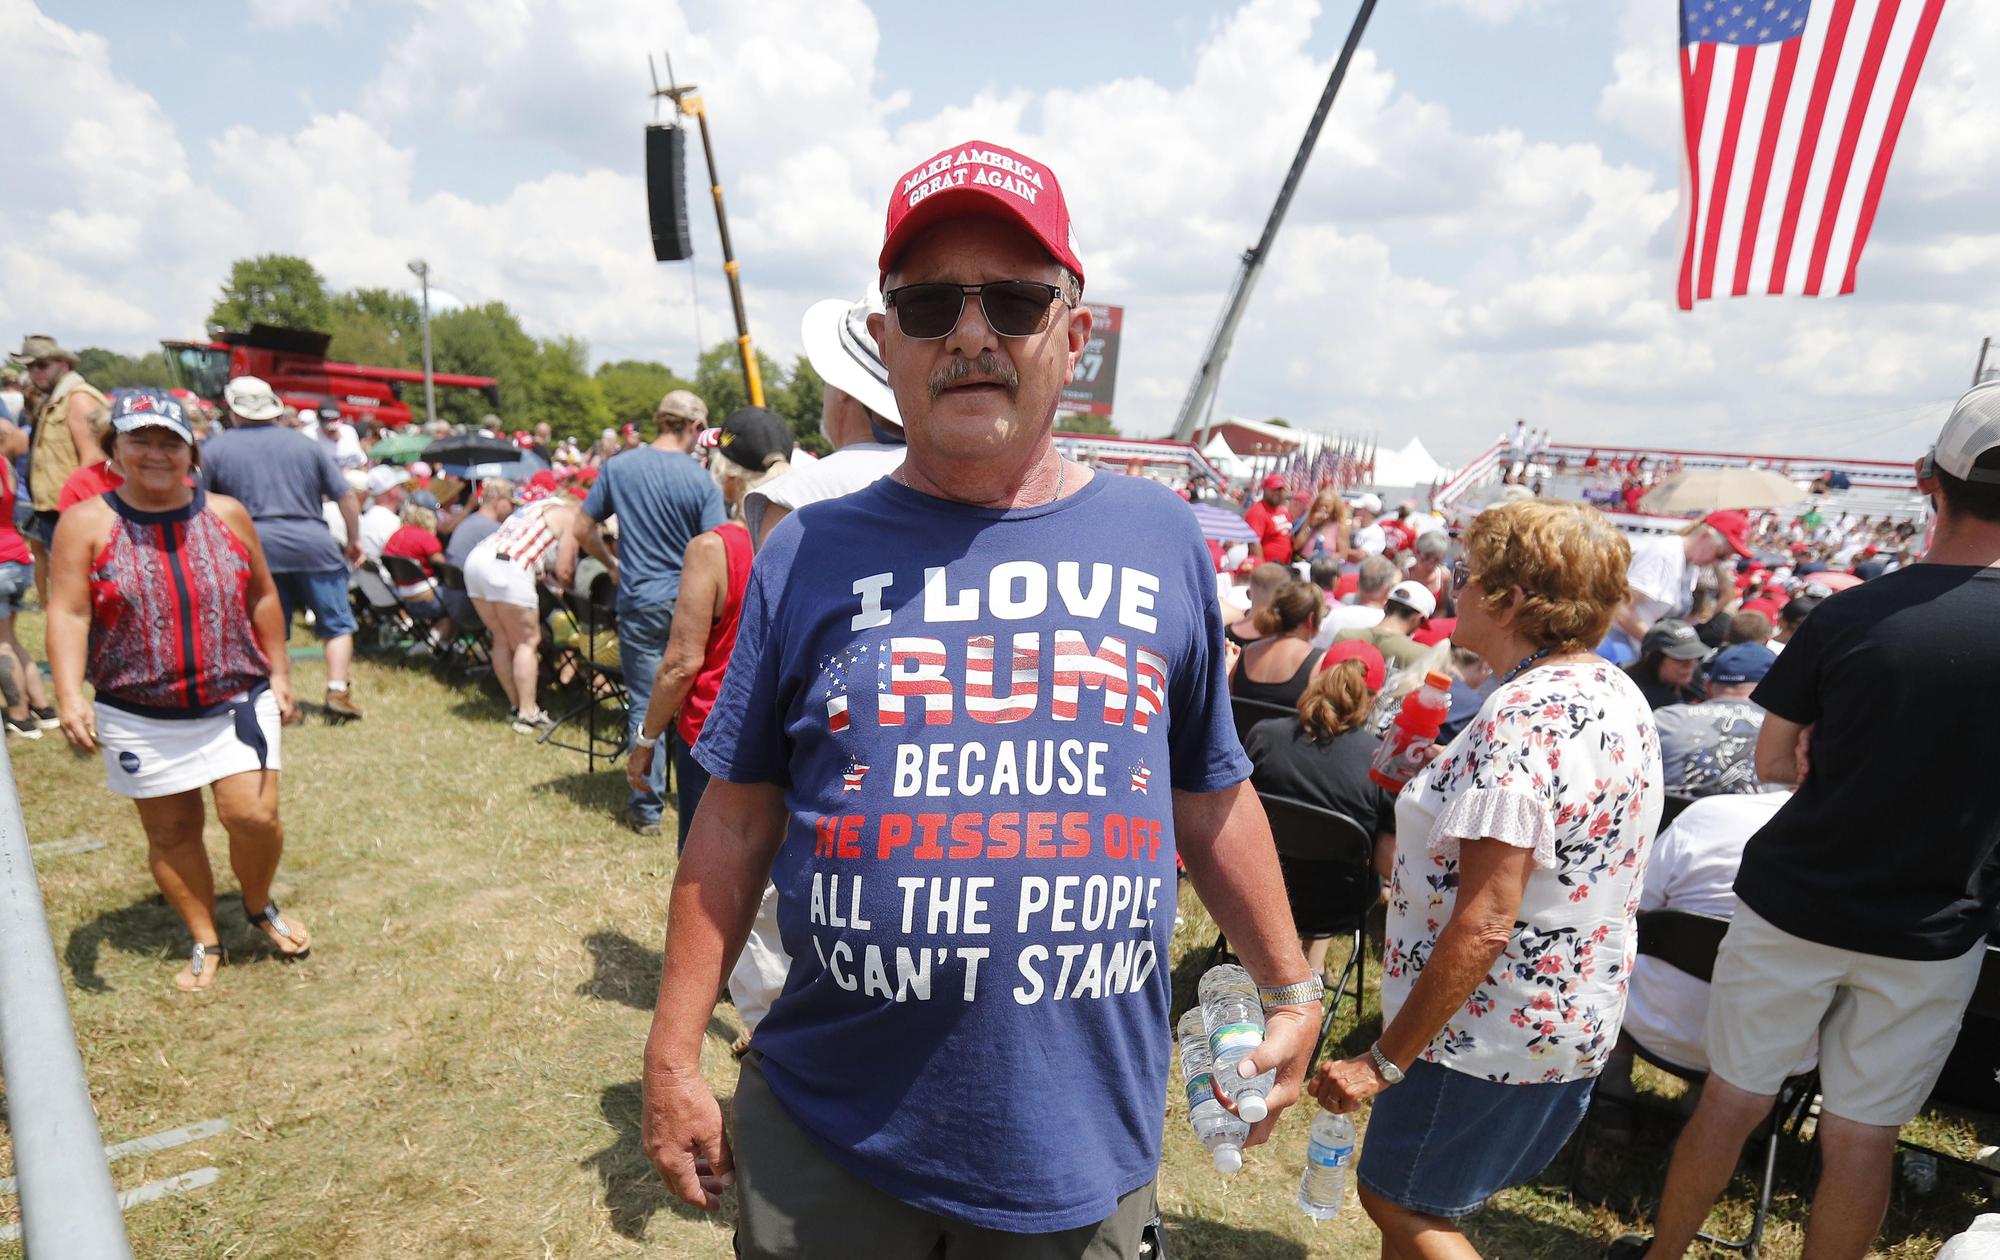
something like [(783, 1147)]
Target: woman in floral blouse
[(1519, 855)]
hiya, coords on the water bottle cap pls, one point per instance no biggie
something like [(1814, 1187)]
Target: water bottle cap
[(1252, 1108), (1228, 1159)]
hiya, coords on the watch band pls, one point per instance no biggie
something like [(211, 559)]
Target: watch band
[(1390, 1072), (641, 741), (1298, 994)]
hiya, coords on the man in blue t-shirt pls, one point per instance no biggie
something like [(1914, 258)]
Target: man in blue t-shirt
[(282, 478), (662, 499), (972, 713)]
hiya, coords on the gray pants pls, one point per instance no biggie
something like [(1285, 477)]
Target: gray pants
[(796, 1204)]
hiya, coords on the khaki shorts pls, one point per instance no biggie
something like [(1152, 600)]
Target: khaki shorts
[(1885, 1024)]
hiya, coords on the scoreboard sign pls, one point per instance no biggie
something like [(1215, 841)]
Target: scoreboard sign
[(1097, 370)]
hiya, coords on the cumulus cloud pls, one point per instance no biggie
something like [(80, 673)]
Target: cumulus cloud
[(278, 15), (1438, 273)]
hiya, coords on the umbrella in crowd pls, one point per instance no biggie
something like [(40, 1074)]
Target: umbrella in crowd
[(400, 448), (470, 448), (520, 466), (1716, 489), (1221, 524)]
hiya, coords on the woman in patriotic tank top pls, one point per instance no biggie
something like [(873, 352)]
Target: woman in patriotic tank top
[(503, 578), (160, 597)]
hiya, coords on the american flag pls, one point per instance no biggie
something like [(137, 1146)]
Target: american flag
[(1792, 110), (850, 778), (1140, 777), (834, 669)]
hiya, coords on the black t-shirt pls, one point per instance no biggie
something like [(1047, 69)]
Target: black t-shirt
[(1331, 773), (1891, 846)]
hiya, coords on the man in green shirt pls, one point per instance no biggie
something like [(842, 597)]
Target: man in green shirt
[(1409, 603)]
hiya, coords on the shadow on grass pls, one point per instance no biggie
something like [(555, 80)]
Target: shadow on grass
[(1500, 1231), (150, 927), (628, 973), (603, 792), (633, 1193), (1204, 1239)]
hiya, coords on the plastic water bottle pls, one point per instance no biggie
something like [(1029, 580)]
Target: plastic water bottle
[(1328, 1153), (1235, 1021), (1222, 1133)]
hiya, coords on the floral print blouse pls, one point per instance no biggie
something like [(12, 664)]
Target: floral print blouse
[(1564, 760)]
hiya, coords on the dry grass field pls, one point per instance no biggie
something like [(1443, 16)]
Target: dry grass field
[(454, 1072)]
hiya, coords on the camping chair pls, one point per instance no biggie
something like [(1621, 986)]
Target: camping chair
[(1970, 1082), (376, 605), (404, 571), (1250, 712), (1327, 860), (593, 655), (1689, 943)]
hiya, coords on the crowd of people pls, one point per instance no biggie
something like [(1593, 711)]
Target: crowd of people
[(949, 716)]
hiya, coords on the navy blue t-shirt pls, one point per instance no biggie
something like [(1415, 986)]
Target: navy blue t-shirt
[(280, 476), (662, 500), (977, 880)]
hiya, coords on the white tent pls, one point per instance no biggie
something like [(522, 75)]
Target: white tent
[(1413, 465), (1226, 461)]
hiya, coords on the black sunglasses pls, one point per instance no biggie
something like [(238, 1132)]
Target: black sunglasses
[(1013, 308), (1461, 573)]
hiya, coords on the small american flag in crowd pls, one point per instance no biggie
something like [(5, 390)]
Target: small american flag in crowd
[(850, 778), (1792, 110), (1140, 777)]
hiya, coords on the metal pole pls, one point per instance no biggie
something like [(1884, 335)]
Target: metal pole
[(687, 102), (69, 1207), (1205, 377), (1979, 370), (423, 270)]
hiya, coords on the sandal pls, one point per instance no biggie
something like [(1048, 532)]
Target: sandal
[(269, 918), (201, 959)]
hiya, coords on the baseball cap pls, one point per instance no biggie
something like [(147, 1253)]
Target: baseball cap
[(150, 411), (385, 477), (1414, 595), (1272, 481), (1374, 670), (980, 179), (1675, 640), (252, 398), (754, 438), (843, 352), (1235, 600), (1972, 429), (1742, 663), (1369, 503), (682, 404), (1733, 526)]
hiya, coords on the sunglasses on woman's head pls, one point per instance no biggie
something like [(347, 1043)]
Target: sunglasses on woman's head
[(1013, 308)]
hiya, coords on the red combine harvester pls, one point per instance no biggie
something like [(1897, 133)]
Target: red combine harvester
[(293, 361)]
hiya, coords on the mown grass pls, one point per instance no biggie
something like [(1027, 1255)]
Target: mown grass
[(455, 1070)]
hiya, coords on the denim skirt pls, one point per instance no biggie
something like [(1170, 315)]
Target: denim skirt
[(1442, 1143)]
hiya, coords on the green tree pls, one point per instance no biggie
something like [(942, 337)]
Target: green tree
[(276, 289), (1086, 422), (108, 369), (800, 402), (485, 341), (633, 389), (377, 326), (564, 392), (718, 378)]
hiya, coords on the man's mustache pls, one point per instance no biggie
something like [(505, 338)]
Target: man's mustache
[(988, 366)]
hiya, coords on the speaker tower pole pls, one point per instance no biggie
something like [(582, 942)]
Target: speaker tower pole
[(688, 103)]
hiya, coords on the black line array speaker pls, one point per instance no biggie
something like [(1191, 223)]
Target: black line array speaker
[(666, 192)]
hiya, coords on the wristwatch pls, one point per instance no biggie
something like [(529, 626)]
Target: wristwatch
[(1298, 994), (640, 741), (1390, 1072)]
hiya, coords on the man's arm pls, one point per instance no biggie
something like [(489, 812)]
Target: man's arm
[(585, 534), (350, 516), (1225, 841), (720, 881), (704, 584), (1627, 616), (1781, 750), (77, 417)]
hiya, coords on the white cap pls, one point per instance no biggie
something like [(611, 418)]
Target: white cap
[(1414, 595), (1234, 599), (1228, 1159), (1252, 1108), (843, 352), (252, 398), (385, 477), (1972, 430), (1369, 503)]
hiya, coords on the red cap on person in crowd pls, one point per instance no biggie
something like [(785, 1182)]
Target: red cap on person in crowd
[(1435, 630), (976, 178), (629, 429), (1272, 481), (544, 480), (1769, 607), (1733, 526), (1374, 670)]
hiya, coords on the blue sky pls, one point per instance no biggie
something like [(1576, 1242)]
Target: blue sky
[(1487, 229)]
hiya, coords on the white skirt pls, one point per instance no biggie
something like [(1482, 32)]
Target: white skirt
[(499, 581), (146, 756)]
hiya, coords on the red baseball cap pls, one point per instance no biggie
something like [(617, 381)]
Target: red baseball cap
[(977, 178), (1272, 481), (1374, 670), (1733, 526)]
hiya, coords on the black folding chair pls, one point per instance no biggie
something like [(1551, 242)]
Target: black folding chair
[(1328, 863), (603, 680), (376, 605), (1689, 943), (471, 643), (1250, 712), (1969, 1086), (403, 572)]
